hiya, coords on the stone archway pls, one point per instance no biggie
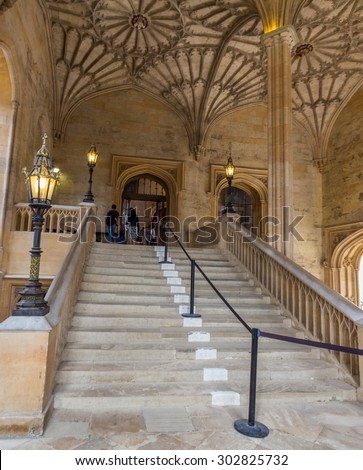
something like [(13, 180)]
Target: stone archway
[(8, 115), (344, 266), (169, 173), (249, 180)]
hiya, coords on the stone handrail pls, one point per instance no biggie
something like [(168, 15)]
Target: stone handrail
[(325, 315), (58, 219)]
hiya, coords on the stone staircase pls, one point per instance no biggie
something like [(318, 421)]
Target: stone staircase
[(129, 346)]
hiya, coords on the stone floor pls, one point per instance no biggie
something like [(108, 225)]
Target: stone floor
[(313, 426)]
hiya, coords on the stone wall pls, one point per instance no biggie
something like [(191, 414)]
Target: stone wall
[(127, 123), (343, 180), (24, 35)]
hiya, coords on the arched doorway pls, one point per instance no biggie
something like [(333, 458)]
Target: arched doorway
[(148, 196), (242, 203), (346, 267)]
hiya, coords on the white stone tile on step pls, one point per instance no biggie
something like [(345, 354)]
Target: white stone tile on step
[(175, 281), (192, 322), (181, 298), (177, 289), (205, 353), (212, 374), (171, 273), (186, 309), (198, 336), (167, 266), (226, 399)]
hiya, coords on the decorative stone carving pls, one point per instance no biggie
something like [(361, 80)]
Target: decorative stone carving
[(5, 4), (347, 262), (302, 50), (338, 238), (198, 151), (138, 28)]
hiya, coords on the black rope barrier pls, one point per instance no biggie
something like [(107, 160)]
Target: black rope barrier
[(245, 324), (308, 342)]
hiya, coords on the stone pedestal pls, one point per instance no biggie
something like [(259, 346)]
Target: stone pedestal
[(27, 346)]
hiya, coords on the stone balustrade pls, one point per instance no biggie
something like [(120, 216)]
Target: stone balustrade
[(326, 315), (58, 219)]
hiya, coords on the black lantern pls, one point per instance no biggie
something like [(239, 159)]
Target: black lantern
[(41, 181), (229, 170), (92, 157)]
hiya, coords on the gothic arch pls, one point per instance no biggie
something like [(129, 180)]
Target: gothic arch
[(147, 169), (255, 187), (8, 114), (344, 266)]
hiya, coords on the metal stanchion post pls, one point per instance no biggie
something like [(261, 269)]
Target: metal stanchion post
[(251, 427), (191, 313)]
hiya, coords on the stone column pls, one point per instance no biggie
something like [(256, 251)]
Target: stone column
[(279, 44)]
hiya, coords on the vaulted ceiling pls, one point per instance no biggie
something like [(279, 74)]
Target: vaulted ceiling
[(205, 57)]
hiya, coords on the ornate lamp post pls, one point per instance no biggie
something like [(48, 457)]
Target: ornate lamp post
[(92, 157), (229, 169), (41, 181)]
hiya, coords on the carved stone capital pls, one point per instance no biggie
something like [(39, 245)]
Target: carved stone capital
[(321, 164), (198, 151), (286, 34)]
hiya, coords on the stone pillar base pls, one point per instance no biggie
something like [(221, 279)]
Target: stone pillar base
[(26, 425), (27, 371)]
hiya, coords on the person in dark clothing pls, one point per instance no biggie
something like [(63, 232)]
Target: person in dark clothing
[(112, 219), (133, 222)]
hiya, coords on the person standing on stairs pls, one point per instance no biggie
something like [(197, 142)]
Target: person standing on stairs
[(112, 219), (133, 222)]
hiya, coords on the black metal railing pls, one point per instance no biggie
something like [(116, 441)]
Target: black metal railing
[(249, 427)]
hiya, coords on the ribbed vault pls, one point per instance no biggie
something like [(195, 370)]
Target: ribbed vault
[(206, 58)]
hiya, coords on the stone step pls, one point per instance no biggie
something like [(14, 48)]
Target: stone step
[(151, 321), (114, 396), (155, 320), (187, 351), (113, 247), (124, 298), (134, 270), (164, 298), (114, 336), (141, 287), (124, 255), (204, 310), (190, 371), (121, 264), (138, 278)]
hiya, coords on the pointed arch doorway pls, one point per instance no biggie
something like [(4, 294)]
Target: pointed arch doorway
[(148, 195)]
